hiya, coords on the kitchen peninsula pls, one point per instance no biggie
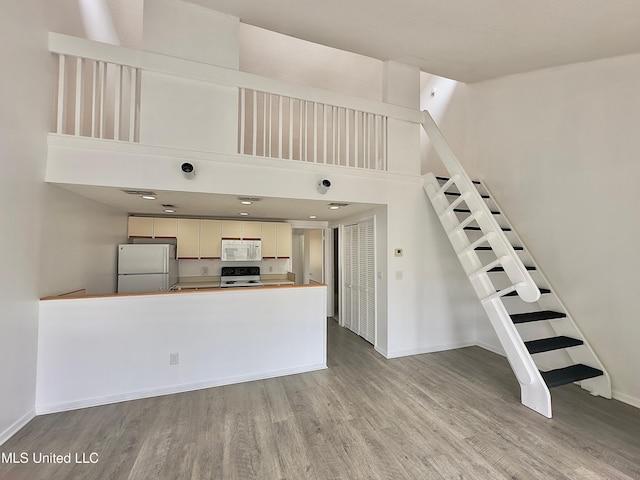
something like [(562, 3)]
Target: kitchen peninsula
[(103, 349)]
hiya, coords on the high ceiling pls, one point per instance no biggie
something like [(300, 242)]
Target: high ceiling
[(466, 40)]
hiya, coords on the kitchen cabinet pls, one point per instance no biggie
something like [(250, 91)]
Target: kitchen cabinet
[(210, 238), (165, 227), (232, 229), (283, 237), (140, 227), (269, 240), (188, 238), (276, 240), (251, 230)]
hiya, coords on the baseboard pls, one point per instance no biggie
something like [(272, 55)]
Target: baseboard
[(381, 351), (492, 348), (430, 349), (16, 426), (124, 397), (628, 399)]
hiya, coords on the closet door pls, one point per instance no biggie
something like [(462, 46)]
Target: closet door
[(359, 279)]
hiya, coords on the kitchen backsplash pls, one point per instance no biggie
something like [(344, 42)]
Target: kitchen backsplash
[(213, 268)]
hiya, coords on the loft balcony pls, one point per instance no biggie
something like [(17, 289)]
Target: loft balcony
[(125, 117)]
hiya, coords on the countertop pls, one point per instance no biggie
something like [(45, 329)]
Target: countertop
[(202, 282)]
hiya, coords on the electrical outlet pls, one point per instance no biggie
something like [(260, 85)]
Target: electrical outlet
[(174, 358), (205, 271)]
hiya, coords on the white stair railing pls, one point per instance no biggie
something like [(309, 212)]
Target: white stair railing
[(534, 391)]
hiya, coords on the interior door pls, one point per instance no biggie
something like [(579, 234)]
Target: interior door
[(358, 308)]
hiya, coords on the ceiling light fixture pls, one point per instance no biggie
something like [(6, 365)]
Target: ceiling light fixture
[(148, 197), (244, 214), (313, 216), (168, 210), (333, 207), (246, 202)]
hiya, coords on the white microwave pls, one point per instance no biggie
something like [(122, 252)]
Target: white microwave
[(241, 250)]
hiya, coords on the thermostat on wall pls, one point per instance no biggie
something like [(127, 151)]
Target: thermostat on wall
[(398, 252)]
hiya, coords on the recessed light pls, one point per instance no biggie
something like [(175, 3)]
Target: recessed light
[(148, 197), (313, 216), (244, 214), (246, 202), (334, 207), (168, 210)]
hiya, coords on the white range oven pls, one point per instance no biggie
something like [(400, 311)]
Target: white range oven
[(240, 277)]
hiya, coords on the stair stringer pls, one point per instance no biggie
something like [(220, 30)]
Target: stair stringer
[(534, 392), (585, 354)]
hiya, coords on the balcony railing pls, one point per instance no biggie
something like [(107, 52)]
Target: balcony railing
[(100, 87)]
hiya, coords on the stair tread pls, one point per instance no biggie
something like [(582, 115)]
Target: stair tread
[(457, 194), (552, 343), (504, 229), (445, 179), (570, 374), (464, 210), (489, 248), (501, 269), (536, 316), (543, 291)]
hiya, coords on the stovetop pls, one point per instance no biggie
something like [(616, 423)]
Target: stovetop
[(240, 277)]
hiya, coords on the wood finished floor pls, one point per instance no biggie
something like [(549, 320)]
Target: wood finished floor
[(446, 415)]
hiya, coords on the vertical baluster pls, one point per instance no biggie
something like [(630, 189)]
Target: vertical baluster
[(270, 126), (356, 124), (325, 137), (315, 132), (78, 105), (290, 128), (264, 121), (306, 131), (347, 137), (103, 86), (336, 134), (384, 143), (118, 101), (133, 101), (61, 117), (338, 159), (280, 100), (254, 128), (94, 97), (242, 120), (368, 165), (376, 139)]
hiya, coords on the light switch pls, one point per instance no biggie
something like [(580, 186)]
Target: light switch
[(399, 275)]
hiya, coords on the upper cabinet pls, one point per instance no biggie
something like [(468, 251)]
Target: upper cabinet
[(210, 238), (141, 227), (202, 238), (283, 231), (276, 240), (188, 238), (165, 227)]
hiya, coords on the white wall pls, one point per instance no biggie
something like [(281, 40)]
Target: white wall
[(79, 244), (558, 148), (274, 55), (94, 351), (24, 121)]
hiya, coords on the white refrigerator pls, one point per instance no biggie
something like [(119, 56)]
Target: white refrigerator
[(146, 268)]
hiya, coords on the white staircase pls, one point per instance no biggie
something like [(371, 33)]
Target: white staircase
[(517, 298)]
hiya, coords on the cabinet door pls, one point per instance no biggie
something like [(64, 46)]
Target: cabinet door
[(283, 249), (210, 238), (269, 240), (188, 238), (165, 227), (251, 230), (140, 227), (232, 229)]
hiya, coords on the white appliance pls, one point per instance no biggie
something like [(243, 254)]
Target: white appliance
[(241, 250), (240, 277), (146, 268)]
